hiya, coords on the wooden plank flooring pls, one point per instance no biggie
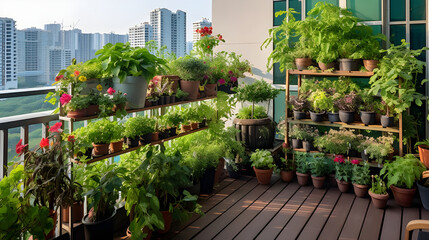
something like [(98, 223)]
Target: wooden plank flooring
[(244, 209)]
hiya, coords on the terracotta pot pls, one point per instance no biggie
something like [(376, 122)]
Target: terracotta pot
[(403, 196), (168, 218), (302, 178), (53, 215), (360, 190), (186, 128), (424, 154), (100, 149), (115, 146), (155, 136), (303, 63), (210, 90), (145, 230), (263, 176), (379, 200), (77, 215), (370, 65), (194, 126), (343, 186), (327, 66), (287, 176), (318, 182), (92, 110), (76, 114), (190, 87)]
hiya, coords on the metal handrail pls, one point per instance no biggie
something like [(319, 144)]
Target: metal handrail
[(27, 119), (23, 92)]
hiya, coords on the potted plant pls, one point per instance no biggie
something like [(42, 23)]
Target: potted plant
[(78, 204), (93, 102), (377, 149), (343, 175), (297, 135), (116, 141), (335, 141), (76, 106), (320, 104), (162, 89), (318, 170), (82, 145), (263, 164), (401, 175), (300, 106), (181, 95), (236, 68), (191, 71), (347, 53), (287, 169), (215, 74), (119, 100), (106, 105), (302, 168), (370, 51), (100, 133), (132, 68), (348, 106), (309, 135), (173, 120), (133, 129), (360, 178), (368, 107), (378, 193), (423, 147)]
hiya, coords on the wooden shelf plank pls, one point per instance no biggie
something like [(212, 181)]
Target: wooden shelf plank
[(96, 159), (355, 125), (65, 118), (331, 74)]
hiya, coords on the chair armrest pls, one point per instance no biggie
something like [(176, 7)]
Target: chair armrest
[(413, 225), (425, 174)]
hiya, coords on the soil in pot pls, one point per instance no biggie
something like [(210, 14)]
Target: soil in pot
[(132, 142), (349, 64), (387, 121), (77, 213), (287, 176), (379, 200), (302, 178), (263, 176), (424, 154), (308, 146), (318, 182), (303, 63), (347, 117), (100, 149), (168, 219), (403, 196), (327, 66), (190, 87), (207, 181), (424, 194), (116, 146), (367, 118), (299, 115), (316, 117), (77, 114), (334, 117), (98, 230), (360, 190), (370, 65), (296, 143), (186, 128), (210, 90), (155, 137), (343, 186), (92, 110), (194, 126), (146, 139)]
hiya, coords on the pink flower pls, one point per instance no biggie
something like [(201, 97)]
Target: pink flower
[(20, 148), (355, 161), (221, 81), (65, 98), (111, 91), (205, 77), (230, 72), (56, 127), (125, 94), (233, 79), (339, 159), (44, 143)]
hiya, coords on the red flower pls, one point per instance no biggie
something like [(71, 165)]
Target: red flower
[(284, 145), (355, 161), (233, 79), (56, 127), (208, 46), (221, 81), (70, 138), (44, 143), (58, 78), (76, 73), (111, 91), (65, 98), (220, 37), (20, 148), (339, 159)]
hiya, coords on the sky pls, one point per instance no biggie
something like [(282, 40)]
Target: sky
[(102, 16)]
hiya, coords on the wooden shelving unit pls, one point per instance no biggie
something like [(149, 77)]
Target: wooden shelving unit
[(355, 125)]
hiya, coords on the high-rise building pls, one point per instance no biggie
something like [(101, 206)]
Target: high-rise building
[(55, 30), (178, 33), (204, 22), (114, 38), (189, 46), (140, 34), (8, 55), (59, 58), (86, 49)]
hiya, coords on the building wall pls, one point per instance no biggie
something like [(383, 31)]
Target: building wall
[(8, 54)]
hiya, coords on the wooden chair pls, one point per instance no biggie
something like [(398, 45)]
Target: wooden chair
[(418, 224)]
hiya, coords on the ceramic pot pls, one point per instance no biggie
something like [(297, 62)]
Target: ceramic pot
[(424, 154), (327, 66), (303, 63), (333, 117), (387, 121), (115, 146), (263, 176), (135, 87), (308, 146), (100, 149), (360, 190), (403, 196), (379, 200), (347, 117), (186, 128), (155, 137), (77, 114), (370, 65), (318, 182), (302, 178), (367, 118), (99, 230), (287, 176), (210, 90), (299, 115), (296, 143), (316, 117), (343, 186), (349, 64), (190, 87)]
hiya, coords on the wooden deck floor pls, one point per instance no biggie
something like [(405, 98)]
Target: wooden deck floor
[(243, 209)]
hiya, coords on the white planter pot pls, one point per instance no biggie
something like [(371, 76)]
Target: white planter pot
[(135, 88)]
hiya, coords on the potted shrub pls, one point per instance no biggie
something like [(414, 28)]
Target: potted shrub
[(377, 149), (370, 53), (181, 95), (132, 69), (386, 118), (348, 106), (100, 133), (263, 165), (77, 106), (133, 129), (236, 68), (320, 104), (368, 107), (116, 141), (191, 71), (309, 135), (378, 193), (360, 178), (300, 106), (297, 135), (318, 170), (302, 168), (264, 127), (343, 175), (287, 169), (401, 175), (423, 147)]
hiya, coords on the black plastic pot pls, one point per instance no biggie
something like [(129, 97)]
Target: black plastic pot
[(173, 131), (308, 146), (179, 99), (155, 103), (98, 230), (298, 115), (316, 117), (334, 117), (367, 118), (202, 124), (162, 100), (164, 134), (173, 98), (387, 121), (133, 142), (296, 143), (146, 138), (194, 189), (226, 89), (424, 194), (349, 64), (353, 153), (232, 173), (347, 117), (364, 156), (207, 181)]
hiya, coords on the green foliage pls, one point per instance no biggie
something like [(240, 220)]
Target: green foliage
[(259, 112), (138, 126), (321, 102), (82, 141), (343, 171), (378, 186), (319, 165), (122, 60), (181, 94), (77, 103), (104, 131), (370, 103), (349, 102), (262, 159), (217, 68), (204, 111), (360, 174), (338, 141), (190, 68), (259, 91), (173, 118), (300, 104), (92, 69), (303, 132), (403, 172), (302, 162), (377, 148), (286, 165), (202, 157)]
